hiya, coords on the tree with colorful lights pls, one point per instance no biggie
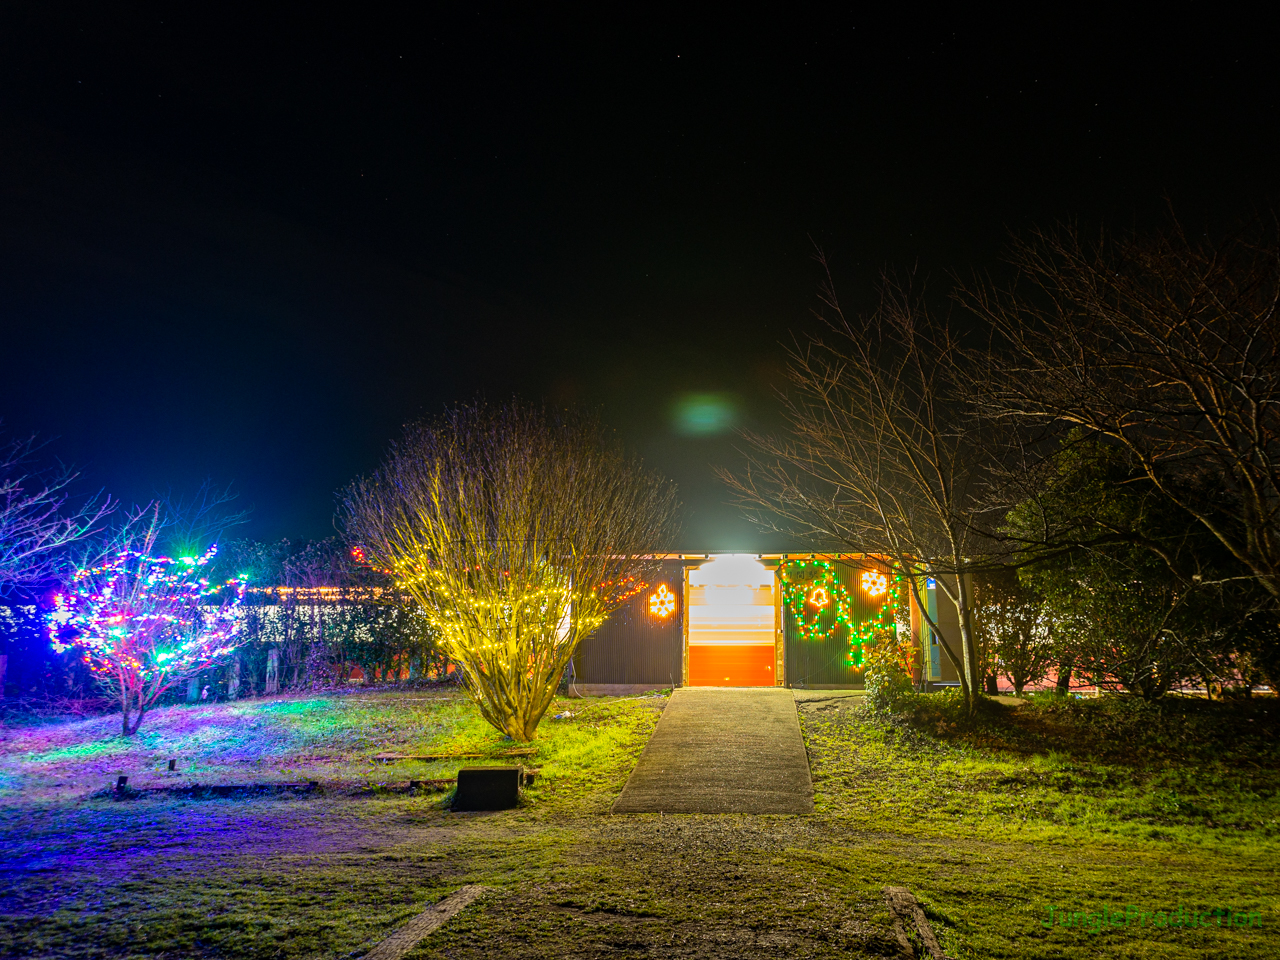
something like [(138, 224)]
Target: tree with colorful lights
[(518, 532), (143, 622)]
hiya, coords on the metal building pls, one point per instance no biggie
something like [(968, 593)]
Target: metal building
[(761, 620)]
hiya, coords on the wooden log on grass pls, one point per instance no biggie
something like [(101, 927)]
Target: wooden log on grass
[(906, 912), (432, 757)]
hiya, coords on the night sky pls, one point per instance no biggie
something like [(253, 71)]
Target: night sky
[(248, 243)]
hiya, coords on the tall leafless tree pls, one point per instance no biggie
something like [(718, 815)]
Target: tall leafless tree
[(36, 526), (518, 531), (1164, 344), (882, 455)]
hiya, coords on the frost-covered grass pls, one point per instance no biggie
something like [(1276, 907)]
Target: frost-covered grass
[(1076, 806), (330, 738)]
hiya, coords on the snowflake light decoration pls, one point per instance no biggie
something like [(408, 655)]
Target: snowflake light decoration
[(662, 602), (874, 582)]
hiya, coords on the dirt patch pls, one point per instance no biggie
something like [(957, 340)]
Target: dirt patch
[(719, 920)]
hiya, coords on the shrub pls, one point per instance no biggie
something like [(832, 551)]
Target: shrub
[(889, 660)]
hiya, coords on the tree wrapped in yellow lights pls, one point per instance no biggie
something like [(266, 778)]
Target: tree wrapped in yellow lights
[(518, 532)]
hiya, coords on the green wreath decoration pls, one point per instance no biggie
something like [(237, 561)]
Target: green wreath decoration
[(804, 581)]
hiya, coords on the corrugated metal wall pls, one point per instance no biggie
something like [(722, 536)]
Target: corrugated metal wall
[(825, 662), (633, 646), (949, 624)]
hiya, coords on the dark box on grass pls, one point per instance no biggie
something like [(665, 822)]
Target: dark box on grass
[(488, 788)]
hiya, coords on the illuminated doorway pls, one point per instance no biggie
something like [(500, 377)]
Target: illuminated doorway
[(732, 617)]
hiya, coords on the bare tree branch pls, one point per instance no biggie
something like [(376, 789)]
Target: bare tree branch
[(882, 456), (1168, 347), (35, 526)]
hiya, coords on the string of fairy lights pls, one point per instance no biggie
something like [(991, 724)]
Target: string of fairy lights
[(145, 614), (512, 615), (822, 606)]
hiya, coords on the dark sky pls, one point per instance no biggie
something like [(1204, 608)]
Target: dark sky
[(250, 242)]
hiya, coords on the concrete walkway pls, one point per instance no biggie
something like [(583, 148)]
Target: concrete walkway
[(723, 750)]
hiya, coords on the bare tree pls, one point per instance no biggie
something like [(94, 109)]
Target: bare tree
[(35, 526), (882, 456), (191, 522), (1168, 347), (518, 532)]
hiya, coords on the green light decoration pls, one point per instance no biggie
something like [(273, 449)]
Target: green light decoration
[(809, 587)]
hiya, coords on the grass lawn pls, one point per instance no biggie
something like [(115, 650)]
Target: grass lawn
[(1075, 805)]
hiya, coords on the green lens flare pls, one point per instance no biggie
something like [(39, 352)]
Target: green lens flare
[(705, 414)]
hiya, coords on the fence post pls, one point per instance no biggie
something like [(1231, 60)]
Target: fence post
[(273, 671)]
